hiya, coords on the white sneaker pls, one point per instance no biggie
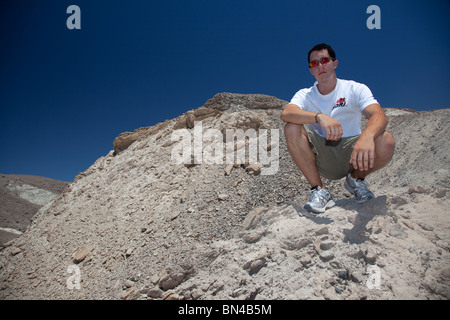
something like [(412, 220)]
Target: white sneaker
[(319, 200), (358, 188)]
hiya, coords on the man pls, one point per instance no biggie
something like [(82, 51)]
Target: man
[(323, 132)]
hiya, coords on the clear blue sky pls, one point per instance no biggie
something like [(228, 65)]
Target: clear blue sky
[(66, 94)]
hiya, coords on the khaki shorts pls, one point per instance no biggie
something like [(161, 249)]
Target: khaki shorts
[(332, 161)]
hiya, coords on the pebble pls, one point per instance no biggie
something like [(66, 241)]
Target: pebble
[(321, 231), (197, 293), (81, 253), (357, 277), (15, 251), (130, 294), (326, 255), (155, 292), (326, 245), (174, 215), (222, 197), (128, 284), (397, 231), (252, 237)]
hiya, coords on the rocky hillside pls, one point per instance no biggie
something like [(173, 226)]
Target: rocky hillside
[(21, 196), (139, 225)]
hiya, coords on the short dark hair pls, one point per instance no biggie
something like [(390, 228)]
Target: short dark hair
[(321, 46)]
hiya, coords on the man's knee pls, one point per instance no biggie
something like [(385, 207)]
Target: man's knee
[(294, 132), (385, 146)]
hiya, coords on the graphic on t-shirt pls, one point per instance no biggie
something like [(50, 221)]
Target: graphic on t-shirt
[(340, 103)]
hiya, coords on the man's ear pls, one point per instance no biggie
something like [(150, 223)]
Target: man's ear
[(335, 62)]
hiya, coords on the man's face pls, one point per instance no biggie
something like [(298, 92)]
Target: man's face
[(323, 72)]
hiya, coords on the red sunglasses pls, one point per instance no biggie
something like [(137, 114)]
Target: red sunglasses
[(323, 60)]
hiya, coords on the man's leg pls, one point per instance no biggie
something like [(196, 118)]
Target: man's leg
[(304, 157), (301, 152), (355, 184), (384, 151)]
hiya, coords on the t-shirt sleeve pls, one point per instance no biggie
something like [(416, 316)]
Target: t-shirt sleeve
[(299, 99), (364, 96)]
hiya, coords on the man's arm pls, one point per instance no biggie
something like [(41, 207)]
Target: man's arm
[(294, 114), (363, 155)]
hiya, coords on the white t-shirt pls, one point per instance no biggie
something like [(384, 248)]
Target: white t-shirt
[(344, 104)]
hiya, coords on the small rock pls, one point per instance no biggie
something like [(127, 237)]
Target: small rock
[(169, 279), (397, 231), (237, 292), (130, 294), (420, 189), (196, 293), (128, 284), (174, 215), (321, 231), (305, 260), (253, 217), (440, 193), (368, 253), (357, 277), (228, 169), (255, 266), (336, 265), (170, 295), (398, 201), (426, 226), (129, 251), (216, 286), (9, 243), (15, 251), (326, 245), (81, 253), (168, 284), (343, 274), (154, 292), (417, 189), (444, 274), (409, 224), (183, 197), (326, 255), (154, 279), (252, 237), (222, 196), (371, 255), (254, 168)]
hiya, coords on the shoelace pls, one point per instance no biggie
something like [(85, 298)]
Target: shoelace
[(361, 187), (318, 195)]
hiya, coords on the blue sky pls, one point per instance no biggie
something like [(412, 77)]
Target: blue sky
[(66, 94)]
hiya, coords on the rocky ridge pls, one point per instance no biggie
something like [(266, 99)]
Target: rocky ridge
[(137, 226), (21, 196)]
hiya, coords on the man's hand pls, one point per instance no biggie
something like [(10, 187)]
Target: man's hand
[(332, 127), (363, 155)]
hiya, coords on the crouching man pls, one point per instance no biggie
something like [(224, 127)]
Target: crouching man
[(323, 132)]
